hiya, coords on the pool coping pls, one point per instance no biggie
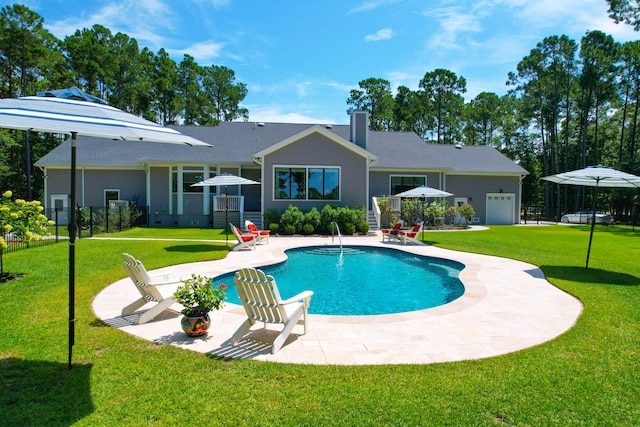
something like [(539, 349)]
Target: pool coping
[(507, 306)]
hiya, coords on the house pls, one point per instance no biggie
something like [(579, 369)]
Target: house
[(301, 164)]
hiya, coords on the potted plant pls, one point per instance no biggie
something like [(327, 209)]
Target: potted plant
[(198, 296)]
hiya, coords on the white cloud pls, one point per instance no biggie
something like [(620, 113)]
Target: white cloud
[(204, 52), (371, 5), (383, 34), (144, 20), (452, 21), (217, 4), (280, 114)]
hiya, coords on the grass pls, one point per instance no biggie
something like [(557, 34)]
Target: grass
[(588, 376)]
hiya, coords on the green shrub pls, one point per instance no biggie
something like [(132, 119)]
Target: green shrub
[(328, 214), (363, 227), (312, 218), (307, 229), (271, 216), (274, 227), (386, 211), (466, 211), (294, 217), (412, 210), (349, 229), (289, 229)]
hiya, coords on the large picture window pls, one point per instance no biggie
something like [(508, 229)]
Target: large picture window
[(307, 183), (404, 183)]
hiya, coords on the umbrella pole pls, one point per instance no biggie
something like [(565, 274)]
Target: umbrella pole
[(593, 223), (72, 248), (226, 215)]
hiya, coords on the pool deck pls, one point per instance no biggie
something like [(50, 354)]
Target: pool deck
[(507, 306)]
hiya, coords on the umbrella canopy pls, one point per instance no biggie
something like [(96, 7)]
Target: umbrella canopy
[(424, 191), (68, 116), (225, 179), (595, 176), (89, 118)]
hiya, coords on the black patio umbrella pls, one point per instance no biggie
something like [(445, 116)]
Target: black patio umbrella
[(73, 117), (595, 176)]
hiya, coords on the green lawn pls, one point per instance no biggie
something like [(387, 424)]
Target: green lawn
[(588, 376)]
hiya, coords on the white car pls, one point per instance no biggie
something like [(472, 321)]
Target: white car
[(584, 217)]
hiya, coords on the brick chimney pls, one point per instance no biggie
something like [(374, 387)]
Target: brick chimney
[(360, 128)]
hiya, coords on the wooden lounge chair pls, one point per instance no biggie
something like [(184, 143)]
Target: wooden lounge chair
[(244, 240), (153, 289), (263, 235), (261, 300), (392, 233), (411, 235)]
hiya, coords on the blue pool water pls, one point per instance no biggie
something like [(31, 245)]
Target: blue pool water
[(363, 280)]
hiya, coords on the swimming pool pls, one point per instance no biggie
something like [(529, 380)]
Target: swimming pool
[(363, 280)]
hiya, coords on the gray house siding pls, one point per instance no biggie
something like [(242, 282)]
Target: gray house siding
[(91, 184), (130, 183), (318, 150), (475, 189), (58, 181)]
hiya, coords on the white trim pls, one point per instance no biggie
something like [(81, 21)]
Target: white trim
[(179, 192), (104, 194)]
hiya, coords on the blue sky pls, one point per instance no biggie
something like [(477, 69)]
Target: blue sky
[(300, 58)]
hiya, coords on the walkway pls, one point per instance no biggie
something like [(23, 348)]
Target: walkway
[(507, 306)]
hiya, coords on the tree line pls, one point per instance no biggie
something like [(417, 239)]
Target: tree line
[(569, 105), (110, 66)]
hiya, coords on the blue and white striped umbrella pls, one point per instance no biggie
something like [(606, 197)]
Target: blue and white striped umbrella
[(68, 116), (74, 117)]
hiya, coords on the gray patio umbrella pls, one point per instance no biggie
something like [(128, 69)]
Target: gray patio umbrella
[(225, 179), (73, 117), (426, 192), (595, 176)]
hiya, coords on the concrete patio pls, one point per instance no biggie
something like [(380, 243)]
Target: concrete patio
[(507, 306)]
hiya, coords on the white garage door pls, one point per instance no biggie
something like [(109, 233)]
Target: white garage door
[(500, 208)]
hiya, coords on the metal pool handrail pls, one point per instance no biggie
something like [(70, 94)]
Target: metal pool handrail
[(339, 235)]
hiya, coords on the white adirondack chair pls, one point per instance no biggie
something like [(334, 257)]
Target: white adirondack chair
[(153, 289), (261, 300), (244, 240)]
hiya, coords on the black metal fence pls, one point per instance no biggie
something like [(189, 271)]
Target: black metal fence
[(99, 219), (14, 243)]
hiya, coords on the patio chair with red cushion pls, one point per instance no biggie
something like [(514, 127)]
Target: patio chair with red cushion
[(411, 235), (263, 235), (392, 232)]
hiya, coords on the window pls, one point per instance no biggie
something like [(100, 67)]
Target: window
[(189, 177), (111, 195), (323, 184), (404, 183), (302, 183)]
